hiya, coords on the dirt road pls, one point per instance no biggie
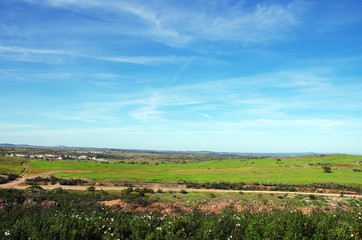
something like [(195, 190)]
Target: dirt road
[(19, 184)]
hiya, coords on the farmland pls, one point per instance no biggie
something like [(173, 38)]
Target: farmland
[(112, 201), (288, 170)]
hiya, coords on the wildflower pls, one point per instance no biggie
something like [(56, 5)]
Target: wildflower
[(238, 224), (7, 233), (159, 228), (352, 235)]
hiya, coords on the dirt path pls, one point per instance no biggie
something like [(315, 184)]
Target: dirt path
[(19, 184)]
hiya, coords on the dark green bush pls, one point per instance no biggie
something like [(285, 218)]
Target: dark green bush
[(272, 186), (53, 180), (7, 177)]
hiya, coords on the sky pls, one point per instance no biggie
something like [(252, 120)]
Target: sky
[(222, 75)]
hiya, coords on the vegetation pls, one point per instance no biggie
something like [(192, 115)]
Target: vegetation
[(327, 169), (7, 177), (12, 165), (58, 214), (291, 170), (126, 156), (53, 180), (142, 213), (273, 186)]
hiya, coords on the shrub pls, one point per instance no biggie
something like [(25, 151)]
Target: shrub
[(3, 180), (327, 169), (7, 177), (34, 187), (59, 190), (183, 191), (71, 181), (91, 189)]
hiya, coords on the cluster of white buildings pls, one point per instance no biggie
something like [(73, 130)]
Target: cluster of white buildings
[(54, 156), (35, 155)]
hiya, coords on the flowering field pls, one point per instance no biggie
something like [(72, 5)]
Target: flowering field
[(36, 214)]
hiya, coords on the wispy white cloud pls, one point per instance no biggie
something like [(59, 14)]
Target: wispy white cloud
[(4, 125), (205, 116), (276, 95), (28, 55), (11, 75), (175, 24), (145, 114)]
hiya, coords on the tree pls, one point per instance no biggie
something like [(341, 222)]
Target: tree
[(327, 169)]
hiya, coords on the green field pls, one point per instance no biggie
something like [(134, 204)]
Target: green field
[(288, 170), (12, 164)]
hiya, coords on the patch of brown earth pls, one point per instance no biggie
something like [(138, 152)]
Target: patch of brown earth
[(2, 202), (163, 208), (175, 209), (48, 203)]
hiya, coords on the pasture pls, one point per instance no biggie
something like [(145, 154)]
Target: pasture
[(345, 169), (13, 164)]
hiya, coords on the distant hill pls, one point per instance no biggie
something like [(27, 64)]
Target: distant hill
[(172, 152)]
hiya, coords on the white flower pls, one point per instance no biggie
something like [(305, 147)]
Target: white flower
[(7, 233), (352, 235)]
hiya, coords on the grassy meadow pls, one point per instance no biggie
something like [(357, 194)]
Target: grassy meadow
[(13, 165), (288, 170)]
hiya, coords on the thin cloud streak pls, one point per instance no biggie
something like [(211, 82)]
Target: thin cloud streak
[(263, 23), (151, 60)]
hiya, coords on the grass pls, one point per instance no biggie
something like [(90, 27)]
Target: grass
[(292, 170), (12, 164)]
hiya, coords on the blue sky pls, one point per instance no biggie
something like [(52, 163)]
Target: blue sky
[(242, 76)]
